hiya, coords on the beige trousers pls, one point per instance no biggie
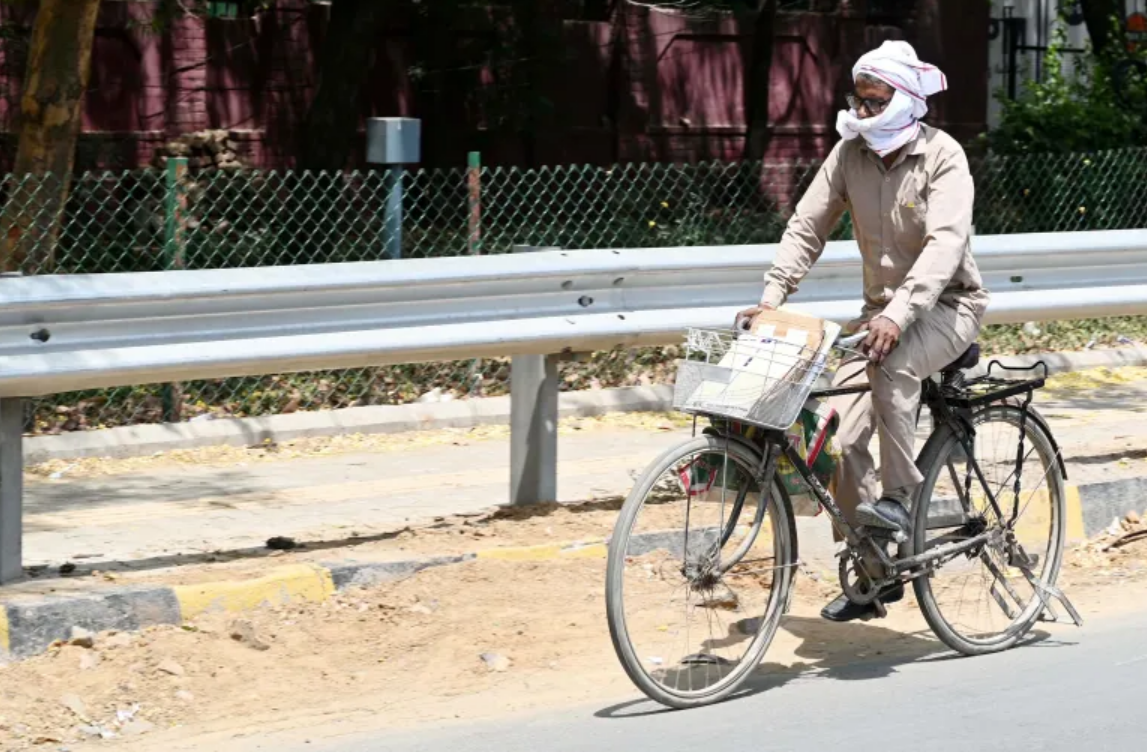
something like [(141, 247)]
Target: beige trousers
[(928, 345)]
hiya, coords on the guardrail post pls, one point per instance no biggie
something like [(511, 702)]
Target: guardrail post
[(393, 142), (11, 489), (534, 429)]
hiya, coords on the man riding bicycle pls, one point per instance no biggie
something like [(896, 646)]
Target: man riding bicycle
[(909, 192)]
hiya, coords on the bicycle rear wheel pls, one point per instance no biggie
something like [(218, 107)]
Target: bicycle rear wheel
[(984, 600), (699, 572)]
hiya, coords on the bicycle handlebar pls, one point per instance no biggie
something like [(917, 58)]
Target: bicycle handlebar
[(852, 341)]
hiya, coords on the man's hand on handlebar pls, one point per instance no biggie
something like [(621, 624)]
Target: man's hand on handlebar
[(883, 336), (745, 318)]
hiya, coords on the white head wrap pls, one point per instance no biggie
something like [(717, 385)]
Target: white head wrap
[(895, 63)]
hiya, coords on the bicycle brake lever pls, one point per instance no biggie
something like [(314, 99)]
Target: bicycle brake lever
[(852, 341)]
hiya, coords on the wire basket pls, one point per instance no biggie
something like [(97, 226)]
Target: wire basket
[(758, 380)]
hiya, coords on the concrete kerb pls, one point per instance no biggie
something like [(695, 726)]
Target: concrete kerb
[(147, 439), (30, 625)]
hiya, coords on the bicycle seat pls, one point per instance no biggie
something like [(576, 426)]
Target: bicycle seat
[(968, 360)]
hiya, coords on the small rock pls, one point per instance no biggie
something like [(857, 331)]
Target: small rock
[(82, 637), (89, 660), (1032, 329), (123, 716), (1116, 527), (424, 608), (117, 641), (281, 543), (184, 695), (75, 705), (136, 728), (67, 569), (243, 631), (171, 667), (495, 662), (1132, 518)]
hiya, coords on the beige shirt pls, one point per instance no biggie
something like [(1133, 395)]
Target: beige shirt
[(912, 223)]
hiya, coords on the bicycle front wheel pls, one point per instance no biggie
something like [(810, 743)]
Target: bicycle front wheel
[(984, 600), (699, 572)]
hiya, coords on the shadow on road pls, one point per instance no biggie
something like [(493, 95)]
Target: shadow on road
[(855, 651)]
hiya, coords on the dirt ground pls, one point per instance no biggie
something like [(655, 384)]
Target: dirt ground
[(412, 652)]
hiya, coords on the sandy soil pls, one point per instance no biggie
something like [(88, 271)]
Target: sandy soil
[(413, 652)]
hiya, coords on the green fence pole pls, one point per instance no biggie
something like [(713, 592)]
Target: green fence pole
[(175, 205), (474, 178)]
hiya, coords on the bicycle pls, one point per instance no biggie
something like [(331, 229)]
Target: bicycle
[(971, 513)]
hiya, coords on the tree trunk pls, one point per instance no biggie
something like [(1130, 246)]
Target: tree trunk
[(332, 119), (1100, 17), (756, 95), (59, 68)]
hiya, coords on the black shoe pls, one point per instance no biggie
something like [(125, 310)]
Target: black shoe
[(842, 609), (884, 514)]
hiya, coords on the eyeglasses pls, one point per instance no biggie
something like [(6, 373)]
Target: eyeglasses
[(873, 106)]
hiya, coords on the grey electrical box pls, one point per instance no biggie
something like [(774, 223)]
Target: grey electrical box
[(393, 141)]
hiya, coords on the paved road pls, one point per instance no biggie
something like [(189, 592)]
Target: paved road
[(1081, 691)]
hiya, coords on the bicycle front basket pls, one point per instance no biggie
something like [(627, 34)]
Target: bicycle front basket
[(760, 380)]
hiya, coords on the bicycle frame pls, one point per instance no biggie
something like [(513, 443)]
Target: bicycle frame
[(943, 413)]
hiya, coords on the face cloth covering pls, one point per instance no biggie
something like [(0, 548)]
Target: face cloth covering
[(896, 64)]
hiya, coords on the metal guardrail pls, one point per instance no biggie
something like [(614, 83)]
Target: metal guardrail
[(60, 333)]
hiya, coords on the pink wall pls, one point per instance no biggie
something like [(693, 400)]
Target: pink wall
[(644, 86)]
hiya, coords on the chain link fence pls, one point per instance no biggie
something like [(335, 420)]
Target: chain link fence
[(178, 218)]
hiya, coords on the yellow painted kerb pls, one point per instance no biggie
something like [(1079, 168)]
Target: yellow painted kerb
[(600, 550), (1075, 528), (545, 552), (4, 643), (537, 552), (292, 583)]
